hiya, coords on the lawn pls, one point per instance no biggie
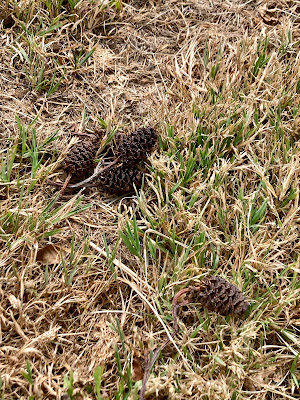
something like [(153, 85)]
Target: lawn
[(87, 278)]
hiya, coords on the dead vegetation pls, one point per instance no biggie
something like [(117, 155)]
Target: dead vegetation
[(86, 284)]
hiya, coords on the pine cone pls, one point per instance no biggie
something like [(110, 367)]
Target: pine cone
[(133, 148), (80, 159), (216, 294), (120, 179)]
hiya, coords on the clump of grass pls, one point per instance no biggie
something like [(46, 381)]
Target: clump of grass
[(36, 47)]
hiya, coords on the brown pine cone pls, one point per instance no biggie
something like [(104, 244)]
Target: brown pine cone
[(121, 179), (131, 149), (216, 294), (80, 160)]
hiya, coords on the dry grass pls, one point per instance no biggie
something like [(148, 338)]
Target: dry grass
[(221, 82)]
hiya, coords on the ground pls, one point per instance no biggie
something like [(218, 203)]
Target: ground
[(87, 281)]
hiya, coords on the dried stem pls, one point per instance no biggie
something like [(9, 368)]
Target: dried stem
[(95, 175), (175, 306), (85, 182), (149, 367), (80, 134)]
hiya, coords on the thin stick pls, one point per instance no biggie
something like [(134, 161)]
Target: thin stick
[(80, 134), (95, 174), (175, 306), (150, 365), (84, 183)]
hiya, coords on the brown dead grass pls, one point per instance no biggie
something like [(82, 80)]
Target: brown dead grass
[(148, 68)]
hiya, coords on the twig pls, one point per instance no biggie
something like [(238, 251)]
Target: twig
[(150, 365), (175, 306), (80, 134), (85, 182), (95, 174)]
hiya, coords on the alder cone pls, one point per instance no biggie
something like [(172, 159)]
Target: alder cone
[(134, 147), (80, 160), (121, 179), (216, 294)]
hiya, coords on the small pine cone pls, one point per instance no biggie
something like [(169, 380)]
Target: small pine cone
[(80, 160), (121, 179), (216, 294), (133, 148)]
